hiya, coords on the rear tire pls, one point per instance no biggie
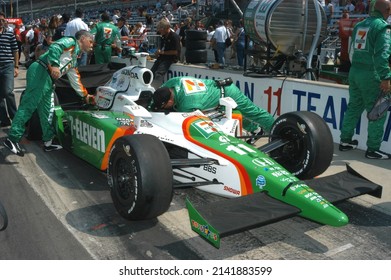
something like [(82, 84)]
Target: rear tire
[(310, 150), (140, 177)]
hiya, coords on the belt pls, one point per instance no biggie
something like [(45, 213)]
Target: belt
[(44, 65), (5, 63)]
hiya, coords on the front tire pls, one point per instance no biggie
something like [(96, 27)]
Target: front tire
[(310, 148), (140, 177)]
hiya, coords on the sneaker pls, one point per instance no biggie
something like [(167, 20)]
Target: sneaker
[(49, 146), (347, 146), (14, 147), (377, 155)]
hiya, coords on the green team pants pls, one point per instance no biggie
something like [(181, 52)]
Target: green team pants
[(102, 55), (37, 96), (363, 92)]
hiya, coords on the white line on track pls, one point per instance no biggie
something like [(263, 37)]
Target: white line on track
[(338, 250)]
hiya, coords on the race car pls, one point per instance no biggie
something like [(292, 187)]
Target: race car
[(148, 154)]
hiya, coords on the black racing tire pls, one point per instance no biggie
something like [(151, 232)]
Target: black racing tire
[(310, 149), (140, 177), (194, 35), (196, 56), (195, 45)]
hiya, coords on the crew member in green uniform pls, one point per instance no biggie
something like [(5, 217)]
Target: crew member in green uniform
[(106, 38), (369, 74), (186, 94), (60, 59)]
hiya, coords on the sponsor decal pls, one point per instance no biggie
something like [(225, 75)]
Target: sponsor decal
[(231, 190), (280, 173), (89, 134), (107, 31), (224, 139), (124, 121), (210, 169), (260, 182), (121, 82), (129, 73), (205, 128), (192, 86), (204, 230), (99, 116), (361, 38), (195, 113)]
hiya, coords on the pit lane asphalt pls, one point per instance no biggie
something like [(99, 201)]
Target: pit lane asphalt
[(60, 208)]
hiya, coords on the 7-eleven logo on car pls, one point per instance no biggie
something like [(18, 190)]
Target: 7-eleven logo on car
[(206, 128), (193, 86)]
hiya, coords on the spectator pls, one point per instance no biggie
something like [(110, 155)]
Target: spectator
[(239, 42), (349, 6), (369, 74), (61, 28), (18, 38), (123, 29), (149, 22), (359, 8), (212, 42), (27, 37), (9, 68), (60, 59), (182, 35), (230, 30), (220, 35), (329, 10), (106, 38), (72, 27), (116, 16), (167, 53)]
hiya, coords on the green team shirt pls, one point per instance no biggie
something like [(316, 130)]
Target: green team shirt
[(370, 45), (105, 33), (202, 94)]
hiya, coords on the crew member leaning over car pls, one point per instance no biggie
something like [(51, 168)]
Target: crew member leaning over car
[(60, 59), (186, 94)]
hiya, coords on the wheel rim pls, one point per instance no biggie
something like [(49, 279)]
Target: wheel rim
[(291, 154), (125, 181)]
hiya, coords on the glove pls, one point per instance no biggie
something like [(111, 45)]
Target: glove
[(90, 99)]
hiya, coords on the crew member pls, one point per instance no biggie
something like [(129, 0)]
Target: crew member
[(60, 59), (369, 74), (106, 38), (186, 94)]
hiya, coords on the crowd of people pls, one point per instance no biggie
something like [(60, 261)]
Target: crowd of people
[(37, 34)]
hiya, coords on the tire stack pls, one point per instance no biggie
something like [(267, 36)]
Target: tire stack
[(196, 51)]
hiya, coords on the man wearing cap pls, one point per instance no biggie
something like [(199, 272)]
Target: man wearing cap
[(60, 59), (369, 74), (186, 94), (106, 38)]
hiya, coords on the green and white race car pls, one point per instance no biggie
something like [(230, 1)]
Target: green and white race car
[(149, 154)]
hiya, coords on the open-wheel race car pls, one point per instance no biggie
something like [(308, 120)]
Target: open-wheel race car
[(148, 154)]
